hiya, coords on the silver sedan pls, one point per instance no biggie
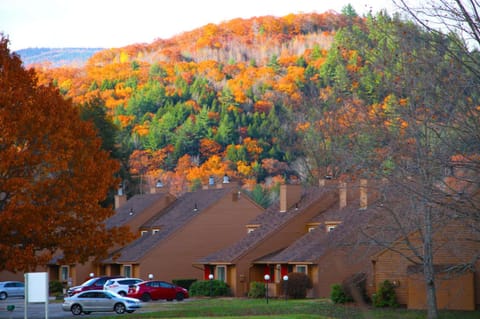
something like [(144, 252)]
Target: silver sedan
[(99, 300)]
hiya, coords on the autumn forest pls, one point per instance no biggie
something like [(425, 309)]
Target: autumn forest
[(263, 100)]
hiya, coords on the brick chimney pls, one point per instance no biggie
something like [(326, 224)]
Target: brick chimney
[(289, 196), (363, 194), (120, 197), (342, 190)]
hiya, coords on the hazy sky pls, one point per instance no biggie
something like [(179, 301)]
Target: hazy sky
[(116, 23)]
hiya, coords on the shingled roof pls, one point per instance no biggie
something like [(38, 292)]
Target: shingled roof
[(269, 221), (138, 204), (316, 243), (178, 214), (310, 247)]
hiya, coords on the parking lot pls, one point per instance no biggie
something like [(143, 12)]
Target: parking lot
[(37, 310)]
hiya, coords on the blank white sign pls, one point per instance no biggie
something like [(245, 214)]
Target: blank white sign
[(36, 284)]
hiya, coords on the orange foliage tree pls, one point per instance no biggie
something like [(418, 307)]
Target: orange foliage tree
[(53, 175)]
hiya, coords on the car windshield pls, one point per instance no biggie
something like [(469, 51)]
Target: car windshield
[(89, 282)]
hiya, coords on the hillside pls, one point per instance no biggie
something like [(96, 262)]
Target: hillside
[(263, 100), (57, 57)]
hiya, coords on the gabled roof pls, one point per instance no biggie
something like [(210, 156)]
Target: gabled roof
[(137, 203), (310, 247), (178, 214), (270, 221), (318, 242)]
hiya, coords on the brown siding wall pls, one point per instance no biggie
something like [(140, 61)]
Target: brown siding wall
[(454, 293), (213, 229), (280, 239), (337, 266), (451, 248)]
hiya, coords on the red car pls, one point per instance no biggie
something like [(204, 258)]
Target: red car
[(154, 290)]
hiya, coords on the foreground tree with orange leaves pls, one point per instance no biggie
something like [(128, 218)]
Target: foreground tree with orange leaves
[(53, 175)]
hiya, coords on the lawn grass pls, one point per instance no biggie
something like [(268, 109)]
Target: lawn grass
[(236, 308)]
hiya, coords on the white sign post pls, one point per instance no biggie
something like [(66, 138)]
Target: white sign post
[(36, 290)]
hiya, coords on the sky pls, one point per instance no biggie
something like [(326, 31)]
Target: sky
[(117, 23)]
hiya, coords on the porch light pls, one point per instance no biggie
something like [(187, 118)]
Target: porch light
[(285, 286), (210, 277), (91, 275), (150, 276), (267, 279)]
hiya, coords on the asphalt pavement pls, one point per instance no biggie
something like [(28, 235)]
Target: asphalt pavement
[(37, 310)]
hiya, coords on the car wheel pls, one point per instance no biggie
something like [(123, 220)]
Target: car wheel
[(3, 295), (119, 308), (122, 293), (179, 296), (76, 309), (146, 297)]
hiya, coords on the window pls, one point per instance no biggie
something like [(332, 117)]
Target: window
[(251, 228), (64, 273), (127, 270), (154, 231), (331, 227), (143, 232), (301, 268), (222, 273), (311, 228)]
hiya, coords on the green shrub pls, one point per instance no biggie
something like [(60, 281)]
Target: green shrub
[(55, 287), (338, 295), (257, 290), (185, 283), (385, 296), (297, 286), (209, 288)]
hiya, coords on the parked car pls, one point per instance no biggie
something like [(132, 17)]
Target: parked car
[(95, 283), (99, 300), (11, 289), (120, 285), (155, 289)]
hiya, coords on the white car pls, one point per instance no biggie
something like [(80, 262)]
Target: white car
[(100, 300), (11, 289), (120, 285)]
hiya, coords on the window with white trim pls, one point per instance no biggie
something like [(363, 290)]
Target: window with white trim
[(64, 273), (127, 270), (221, 273), (143, 232), (331, 227), (155, 230), (301, 269)]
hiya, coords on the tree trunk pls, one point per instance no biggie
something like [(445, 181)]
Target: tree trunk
[(428, 267)]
